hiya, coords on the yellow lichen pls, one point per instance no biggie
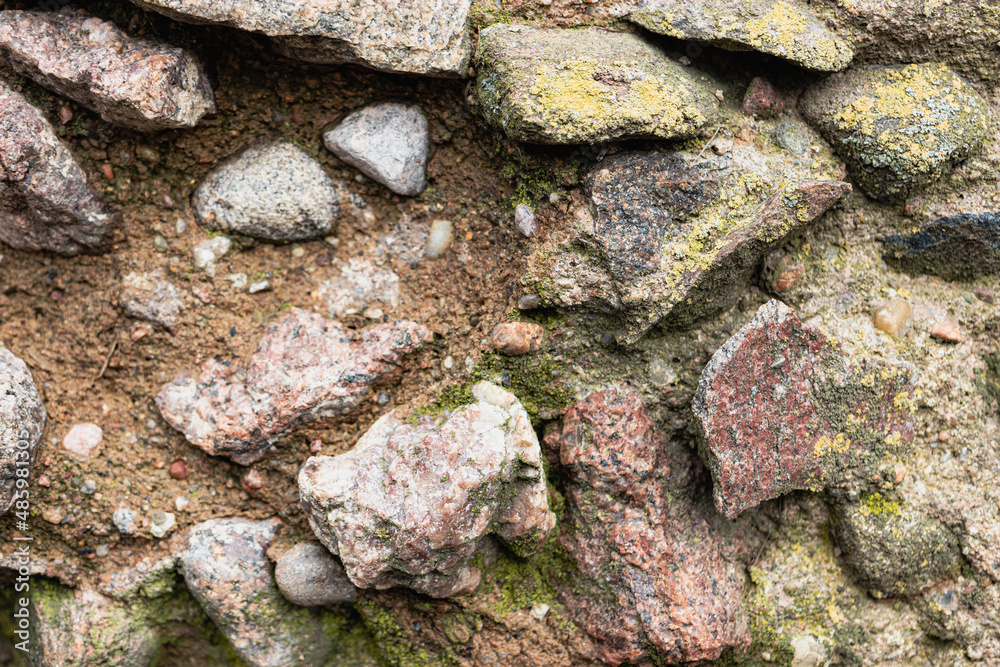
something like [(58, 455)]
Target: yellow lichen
[(839, 444)]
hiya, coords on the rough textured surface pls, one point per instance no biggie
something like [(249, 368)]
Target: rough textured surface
[(45, 201), (394, 36), (309, 576), (150, 296), (359, 285), (306, 368), (762, 99), (412, 505), (584, 86), (898, 128), (781, 407), (137, 83), (959, 247), (273, 191), (226, 570), (783, 28), (675, 237), (662, 583), (518, 337), (22, 421), (388, 142)]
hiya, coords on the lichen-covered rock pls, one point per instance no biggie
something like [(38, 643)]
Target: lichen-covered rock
[(226, 569), (959, 247), (584, 86), (273, 191), (137, 83), (388, 142), (781, 407), (412, 505), (661, 578), (898, 128), (306, 368), (22, 421), (894, 549), (78, 628), (150, 296), (308, 575), (783, 28), (672, 237), (45, 201), (394, 36)]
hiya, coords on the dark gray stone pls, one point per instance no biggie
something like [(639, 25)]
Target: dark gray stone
[(959, 247)]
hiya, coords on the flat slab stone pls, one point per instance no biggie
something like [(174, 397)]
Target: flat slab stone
[(414, 36), (782, 28), (137, 83), (551, 86), (959, 247), (47, 203), (22, 422), (781, 407)]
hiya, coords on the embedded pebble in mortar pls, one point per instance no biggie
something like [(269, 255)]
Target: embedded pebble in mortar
[(762, 99), (309, 576), (178, 469), (524, 220), (261, 286), (528, 302), (946, 331), (22, 421), (516, 338), (388, 142), (83, 439), (150, 296), (124, 520), (892, 317), (162, 522), (440, 238), (209, 251), (360, 282), (661, 373)]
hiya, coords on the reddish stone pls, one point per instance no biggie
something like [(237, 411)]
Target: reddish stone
[(178, 469), (762, 100), (516, 338), (946, 331), (660, 577), (781, 407)]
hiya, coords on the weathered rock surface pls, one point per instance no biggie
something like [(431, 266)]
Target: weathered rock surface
[(359, 284), (783, 28), (309, 576), (150, 296), (45, 201), (662, 579), (411, 505), (22, 421), (388, 142), (959, 247), (584, 86), (394, 36), (226, 569), (894, 549), (517, 338), (273, 191), (672, 237), (898, 128), (781, 407), (306, 368), (137, 83)]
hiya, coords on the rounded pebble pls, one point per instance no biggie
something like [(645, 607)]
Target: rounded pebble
[(528, 302), (946, 331), (440, 238), (308, 575), (892, 317), (83, 439), (178, 469), (524, 220), (518, 337)]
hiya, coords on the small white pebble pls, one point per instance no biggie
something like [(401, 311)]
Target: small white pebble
[(298, 252), (373, 313), (259, 287), (239, 280), (161, 523), (539, 611), (440, 238), (180, 502), (448, 363)]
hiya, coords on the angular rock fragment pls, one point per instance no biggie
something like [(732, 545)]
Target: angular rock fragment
[(273, 191), (781, 407), (226, 569), (673, 237), (151, 297), (388, 142), (306, 368), (412, 505), (45, 201), (137, 83), (898, 128), (959, 247), (394, 36), (660, 577), (782, 28), (588, 85), (360, 283), (762, 99), (22, 421), (308, 575)]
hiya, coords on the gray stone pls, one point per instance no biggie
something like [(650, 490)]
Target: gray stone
[(417, 36), (226, 569), (273, 191), (959, 247), (45, 201), (124, 520), (150, 296), (412, 505), (783, 28), (359, 284), (22, 421), (308, 575), (388, 142), (137, 83), (791, 137), (898, 128), (589, 85)]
